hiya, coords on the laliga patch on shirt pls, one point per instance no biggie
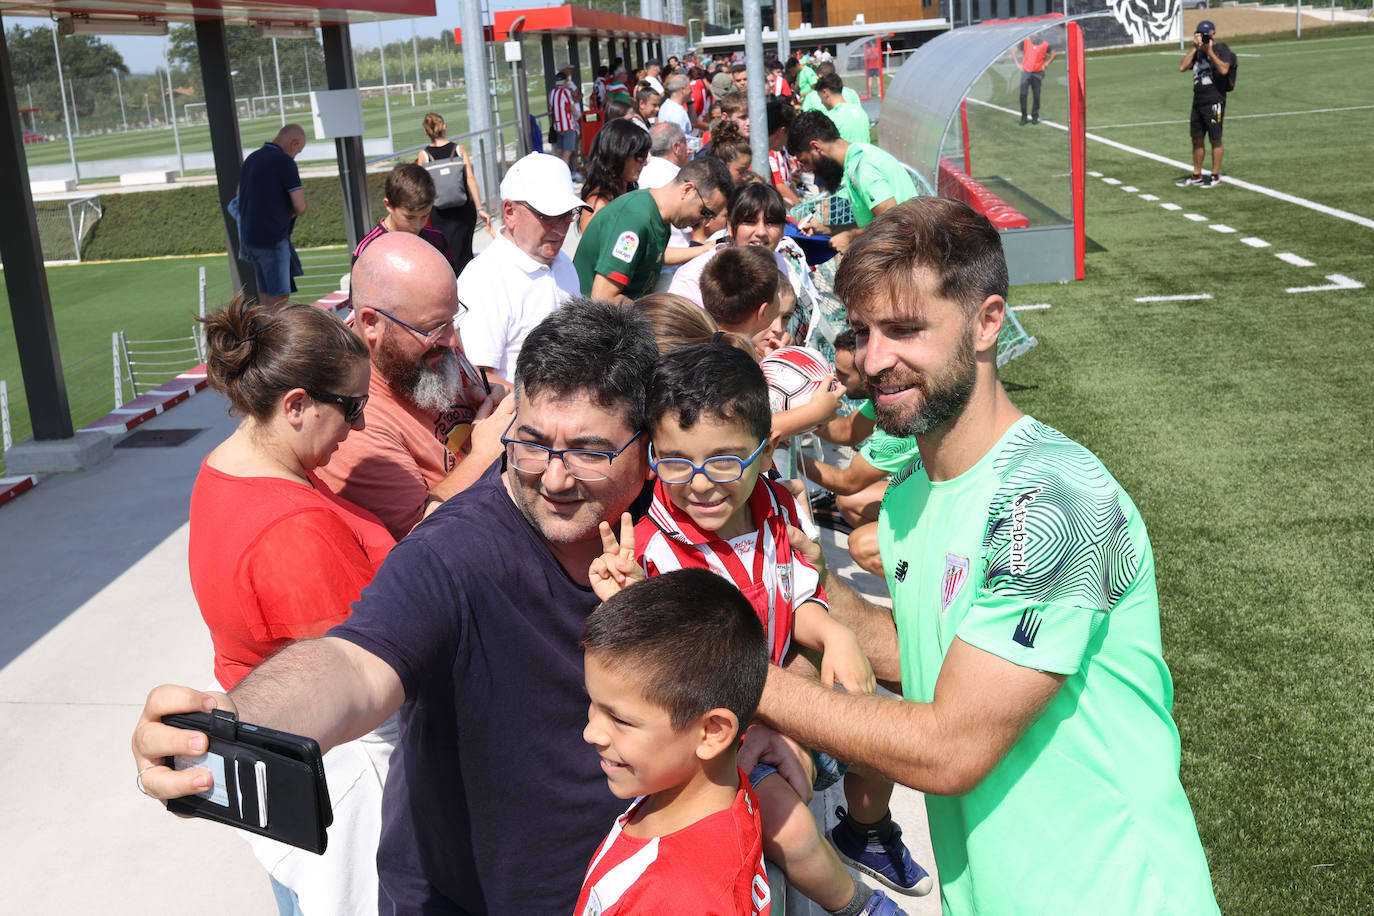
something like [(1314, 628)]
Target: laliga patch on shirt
[(593, 907), (625, 247), (956, 574)]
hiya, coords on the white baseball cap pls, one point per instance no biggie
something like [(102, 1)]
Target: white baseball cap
[(543, 182)]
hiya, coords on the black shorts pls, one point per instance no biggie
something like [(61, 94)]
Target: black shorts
[(1207, 120)]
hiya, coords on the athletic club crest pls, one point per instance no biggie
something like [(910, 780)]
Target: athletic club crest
[(956, 574)]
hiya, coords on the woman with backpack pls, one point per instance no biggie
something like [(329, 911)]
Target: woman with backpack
[(455, 214)]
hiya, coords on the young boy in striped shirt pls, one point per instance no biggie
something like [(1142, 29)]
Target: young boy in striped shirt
[(709, 417), (666, 721)]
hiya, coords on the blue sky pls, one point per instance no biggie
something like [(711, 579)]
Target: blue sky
[(144, 54)]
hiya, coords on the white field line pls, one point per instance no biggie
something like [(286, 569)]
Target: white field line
[(1129, 188), (1349, 217), (1222, 228), (1239, 117), (1338, 281), (1149, 197), (1168, 206), (1195, 217), (1188, 298), (1296, 260), (1254, 242), (1030, 308), (1111, 181)]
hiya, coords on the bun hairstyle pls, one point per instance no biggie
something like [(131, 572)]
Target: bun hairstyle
[(728, 142), (678, 321), (254, 356), (435, 126)]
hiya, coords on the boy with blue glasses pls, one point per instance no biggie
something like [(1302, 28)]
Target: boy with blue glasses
[(708, 413)]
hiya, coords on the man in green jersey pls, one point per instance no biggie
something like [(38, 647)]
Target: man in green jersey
[(850, 119), (813, 101), (1025, 623), (872, 178), (620, 255)]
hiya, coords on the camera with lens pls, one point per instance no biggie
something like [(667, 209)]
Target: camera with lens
[(1206, 38)]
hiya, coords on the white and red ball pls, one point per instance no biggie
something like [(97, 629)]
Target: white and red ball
[(794, 375)]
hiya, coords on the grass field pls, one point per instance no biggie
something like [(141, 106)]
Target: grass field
[(1240, 425)]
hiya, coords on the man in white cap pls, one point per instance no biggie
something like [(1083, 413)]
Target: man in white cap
[(523, 275)]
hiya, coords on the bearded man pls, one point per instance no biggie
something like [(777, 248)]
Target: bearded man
[(1024, 629), (423, 441)]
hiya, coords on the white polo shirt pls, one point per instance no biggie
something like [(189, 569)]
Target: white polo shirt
[(507, 293)]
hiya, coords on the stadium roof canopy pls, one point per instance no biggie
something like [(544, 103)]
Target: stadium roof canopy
[(575, 22), (233, 12)]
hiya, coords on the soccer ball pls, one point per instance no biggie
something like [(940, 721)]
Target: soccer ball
[(794, 374)]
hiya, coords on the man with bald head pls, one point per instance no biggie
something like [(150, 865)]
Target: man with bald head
[(270, 198), (422, 442)]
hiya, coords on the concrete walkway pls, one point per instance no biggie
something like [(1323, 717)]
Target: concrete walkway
[(98, 610)]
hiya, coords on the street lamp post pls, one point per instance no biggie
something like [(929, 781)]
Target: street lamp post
[(120, 89)]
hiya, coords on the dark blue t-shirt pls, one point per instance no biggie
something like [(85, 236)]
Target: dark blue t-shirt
[(266, 180), (494, 803)]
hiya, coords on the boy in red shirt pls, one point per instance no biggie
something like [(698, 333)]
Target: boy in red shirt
[(707, 406), (674, 668)]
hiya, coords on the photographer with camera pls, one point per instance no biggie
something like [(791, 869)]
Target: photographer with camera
[(1213, 65)]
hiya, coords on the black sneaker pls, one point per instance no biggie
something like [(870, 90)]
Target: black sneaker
[(1024, 121), (1211, 181), (1188, 179)]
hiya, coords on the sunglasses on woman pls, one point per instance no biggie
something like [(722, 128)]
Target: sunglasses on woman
[(352, 405)]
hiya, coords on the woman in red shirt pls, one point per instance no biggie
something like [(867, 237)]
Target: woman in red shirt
[(275, 556)]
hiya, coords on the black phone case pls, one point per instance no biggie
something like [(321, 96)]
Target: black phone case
[(298, 808)]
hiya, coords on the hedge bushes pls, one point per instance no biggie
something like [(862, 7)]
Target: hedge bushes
[(187, 220)]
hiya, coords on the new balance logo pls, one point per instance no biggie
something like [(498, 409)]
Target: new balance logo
[(900, 571), (1027, 628)]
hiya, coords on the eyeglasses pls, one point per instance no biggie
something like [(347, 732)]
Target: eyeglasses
[(558, 221), (431, 336), (706, 212), (580, 463), (352, 405), (717, 469)]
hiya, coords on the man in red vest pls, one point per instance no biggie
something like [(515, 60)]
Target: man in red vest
[(1032, 58)]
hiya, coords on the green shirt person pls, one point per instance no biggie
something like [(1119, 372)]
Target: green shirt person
[(806, 80), (1025, 622), (849, 117), (621, 251), (813, 101), (872, 179)]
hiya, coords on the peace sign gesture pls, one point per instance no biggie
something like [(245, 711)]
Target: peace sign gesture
[(616, 567)]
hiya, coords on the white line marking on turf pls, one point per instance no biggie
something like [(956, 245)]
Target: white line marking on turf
[(1095, 174), (1295, 260), (1338, 281), (1221, 227), (1254, 242), (1129, 188), (1168, 206), (1239, 117), (1110, 181), (1030, 308), (1195, 217), (1149, 197), (1174, 163), (1188, 298)]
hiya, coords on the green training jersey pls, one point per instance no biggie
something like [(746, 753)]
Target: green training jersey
[(871, 176), (884, 451), (806, 80), (1036, 555), (813, 101), (624, 242), (851, 121)]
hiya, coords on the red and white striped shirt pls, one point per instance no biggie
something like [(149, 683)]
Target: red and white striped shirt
[(564, 109), (712, 866), (761, 564), (780, 164)]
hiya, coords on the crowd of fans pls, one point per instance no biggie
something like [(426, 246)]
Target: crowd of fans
[(516, 482)]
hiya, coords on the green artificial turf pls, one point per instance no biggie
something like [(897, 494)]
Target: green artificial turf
[(1240, 425)]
